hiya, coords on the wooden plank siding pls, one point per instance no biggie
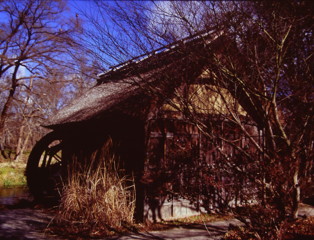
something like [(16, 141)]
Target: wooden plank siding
[(179, 160)]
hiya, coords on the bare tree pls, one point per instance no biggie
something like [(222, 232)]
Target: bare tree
[(31, 41), (36, 40)]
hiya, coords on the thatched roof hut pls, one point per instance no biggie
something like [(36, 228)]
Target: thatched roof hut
[(135, 105)]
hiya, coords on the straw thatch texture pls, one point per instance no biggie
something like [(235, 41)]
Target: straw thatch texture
[(96, 100)]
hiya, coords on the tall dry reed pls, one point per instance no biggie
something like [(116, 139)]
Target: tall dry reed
[(96, 199)]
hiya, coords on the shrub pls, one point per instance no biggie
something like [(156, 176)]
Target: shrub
[(294, 230), (261, 223), (95, 199)]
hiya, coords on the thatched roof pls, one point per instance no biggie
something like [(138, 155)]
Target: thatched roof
[(126, 80), (96, 100)]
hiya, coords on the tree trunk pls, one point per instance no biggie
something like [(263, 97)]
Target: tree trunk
[(8, 103), (22, 142), (19, 143), (3, 118), (296, 195)]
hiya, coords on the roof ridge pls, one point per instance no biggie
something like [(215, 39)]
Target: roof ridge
[(157, 51)]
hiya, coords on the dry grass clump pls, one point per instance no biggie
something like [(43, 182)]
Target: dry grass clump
[(96, 200)]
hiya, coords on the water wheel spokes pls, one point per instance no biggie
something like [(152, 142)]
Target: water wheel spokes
[(44, 167)]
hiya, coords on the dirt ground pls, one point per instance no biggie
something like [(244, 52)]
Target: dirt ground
[(29, 223), (25, 223)]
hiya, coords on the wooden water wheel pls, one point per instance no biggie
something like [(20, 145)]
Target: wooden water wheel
[(44, 167)]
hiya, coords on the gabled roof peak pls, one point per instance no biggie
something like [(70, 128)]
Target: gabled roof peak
[(209, 35)]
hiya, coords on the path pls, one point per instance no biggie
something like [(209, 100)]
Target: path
[(30, 224), (24, 223), (213, 231)]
